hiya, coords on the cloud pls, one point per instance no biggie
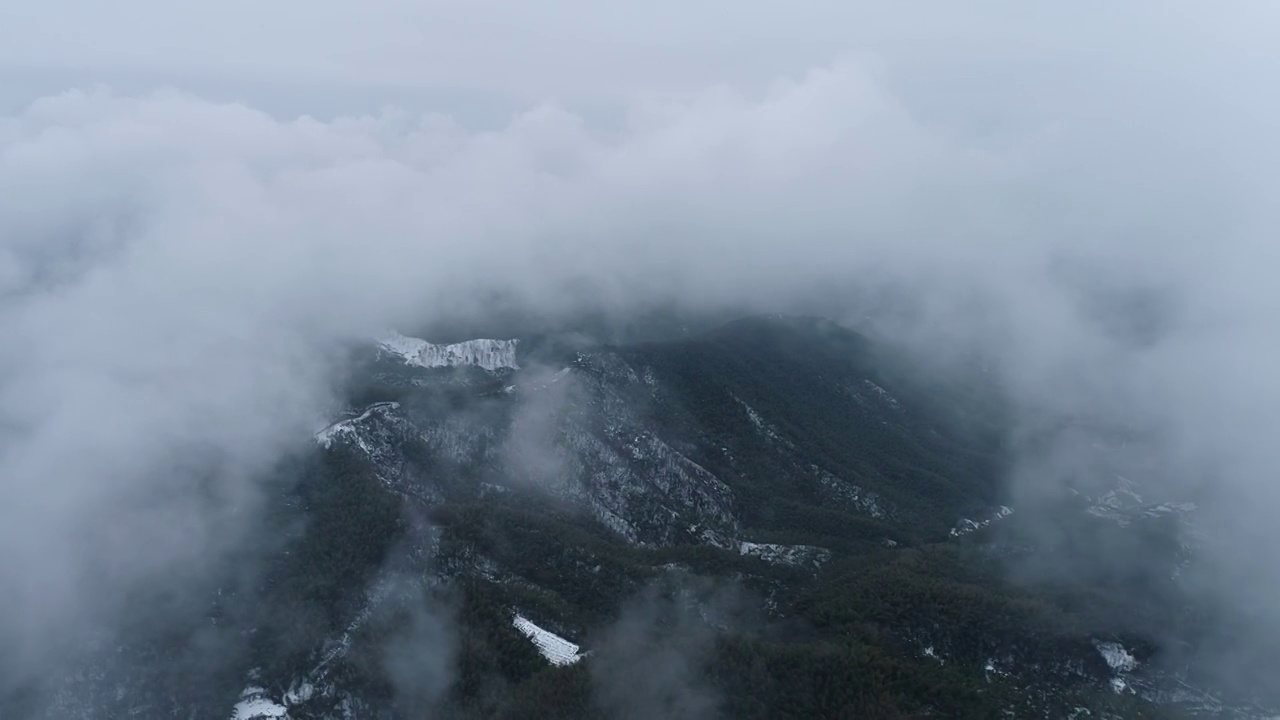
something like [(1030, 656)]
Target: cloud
[(530, 453), (419, 655), (652, 661), (178, 277)]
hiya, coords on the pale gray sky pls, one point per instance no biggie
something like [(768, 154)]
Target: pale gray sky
[(592, 51)]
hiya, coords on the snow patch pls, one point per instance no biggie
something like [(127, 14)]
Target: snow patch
[(484, 353), (255, 705), (554, 648), (1117, 657), (966, 526), (1120, 661), (786, 554), (327, 436)]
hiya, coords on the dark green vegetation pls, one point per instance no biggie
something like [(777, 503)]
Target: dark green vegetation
[(930, 451), (392, 562), (824, 440), (846, 641)]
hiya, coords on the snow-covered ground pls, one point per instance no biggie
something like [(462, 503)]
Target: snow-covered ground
[(326, 436), (488, 354), (255, 705), (1117, 657), (966, 526), (1120, 660), (554, 648), (786, 554)]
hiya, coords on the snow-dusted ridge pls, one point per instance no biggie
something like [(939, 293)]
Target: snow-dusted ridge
[(966, 526), (483, 353), (554, 648), (327, 436), (785, 554)]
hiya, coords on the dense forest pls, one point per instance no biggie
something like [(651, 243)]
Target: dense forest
[(845, 641), (774, 518), (897, 617)]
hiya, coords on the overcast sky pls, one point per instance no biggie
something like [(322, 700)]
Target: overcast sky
[(593, 51), (175, 266)]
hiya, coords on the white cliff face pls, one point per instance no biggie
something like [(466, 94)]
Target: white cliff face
[(488, 354)]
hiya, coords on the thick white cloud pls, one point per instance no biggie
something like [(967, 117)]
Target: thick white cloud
[(174, 273)]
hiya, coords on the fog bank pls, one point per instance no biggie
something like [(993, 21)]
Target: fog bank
[(177, 275)]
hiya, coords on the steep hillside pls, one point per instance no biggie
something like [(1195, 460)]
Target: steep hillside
[(774, 518)]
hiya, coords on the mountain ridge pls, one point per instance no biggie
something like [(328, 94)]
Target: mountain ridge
[(804, 521)]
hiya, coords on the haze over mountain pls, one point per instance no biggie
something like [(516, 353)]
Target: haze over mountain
[(1068, 212)]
